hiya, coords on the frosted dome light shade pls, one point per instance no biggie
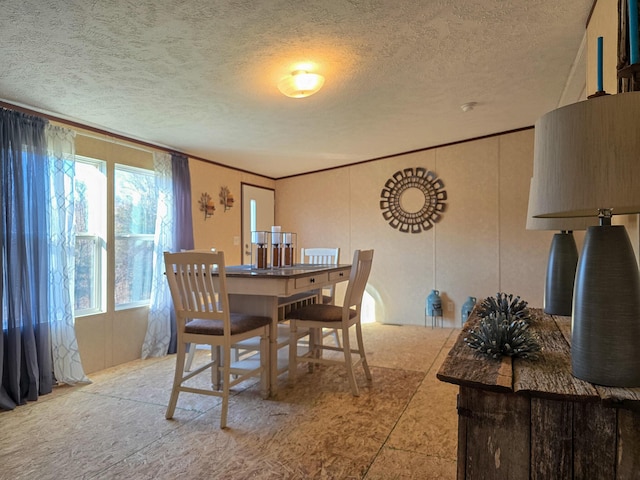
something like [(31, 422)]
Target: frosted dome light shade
[(300, 84)]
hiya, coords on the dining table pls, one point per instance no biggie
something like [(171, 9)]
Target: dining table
[(268, 291)]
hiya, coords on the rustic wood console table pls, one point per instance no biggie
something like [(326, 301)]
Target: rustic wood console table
[(532, 419)]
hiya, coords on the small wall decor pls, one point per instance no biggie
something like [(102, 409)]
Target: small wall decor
[(413, 200), (226, 198), (207, 205)]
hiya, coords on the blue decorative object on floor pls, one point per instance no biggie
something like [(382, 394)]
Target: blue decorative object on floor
[(433, 308), (467, 308)]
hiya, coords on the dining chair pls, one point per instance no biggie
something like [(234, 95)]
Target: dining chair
[(322, 256), (249, 346), (328, 256), (197, 281), (318, 316), (191, 349)]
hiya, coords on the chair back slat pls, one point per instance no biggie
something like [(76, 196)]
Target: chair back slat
[(360, 269), (196, 291), (320, 256)]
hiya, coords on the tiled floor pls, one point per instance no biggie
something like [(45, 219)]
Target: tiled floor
[(403, 425)]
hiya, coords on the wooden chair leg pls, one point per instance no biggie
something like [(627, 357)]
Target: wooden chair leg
[(216, 358), (365, 365), (315, 337), (177, 379), (225, 387), (293, 351), (264, 355), (346, 347)]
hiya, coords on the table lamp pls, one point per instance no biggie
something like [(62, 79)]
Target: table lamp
[(587, 163), (563, 257)]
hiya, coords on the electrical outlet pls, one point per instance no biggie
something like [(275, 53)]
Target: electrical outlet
[(449, 306)]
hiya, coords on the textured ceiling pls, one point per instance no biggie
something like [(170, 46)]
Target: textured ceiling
[(200, 76)]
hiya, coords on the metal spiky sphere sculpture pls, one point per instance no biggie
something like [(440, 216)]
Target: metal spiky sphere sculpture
[(504, 303), (501, 334)]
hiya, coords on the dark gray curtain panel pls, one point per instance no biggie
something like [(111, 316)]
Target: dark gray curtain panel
[(25, 352), (183, 222)]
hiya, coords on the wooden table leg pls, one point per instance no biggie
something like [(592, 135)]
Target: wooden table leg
[(266, 306)]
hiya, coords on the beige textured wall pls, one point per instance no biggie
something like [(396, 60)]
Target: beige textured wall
[(116, 337), (223, 230), (480, 247)]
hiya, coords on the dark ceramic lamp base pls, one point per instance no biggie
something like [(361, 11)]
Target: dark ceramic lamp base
[(605, 326), (561, 274)]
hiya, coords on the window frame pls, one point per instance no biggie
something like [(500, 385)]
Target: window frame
[(99, 284)]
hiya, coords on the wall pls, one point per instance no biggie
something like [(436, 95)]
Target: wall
[(223, 230), (116, 337), (480, 246)]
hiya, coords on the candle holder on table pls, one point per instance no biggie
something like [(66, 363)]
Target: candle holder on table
[(277, 245), (259, 249), (288, 248)]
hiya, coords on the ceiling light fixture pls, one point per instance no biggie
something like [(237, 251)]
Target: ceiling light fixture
[(300, 84), (467, 107)]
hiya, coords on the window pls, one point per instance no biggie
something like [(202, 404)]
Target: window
[(90, 225), (135, 204), (134, 218)]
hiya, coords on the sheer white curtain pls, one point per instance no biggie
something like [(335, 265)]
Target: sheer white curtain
[(67, 367), (158, 336)]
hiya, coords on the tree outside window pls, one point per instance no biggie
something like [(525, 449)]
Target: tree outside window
[(135, 205)]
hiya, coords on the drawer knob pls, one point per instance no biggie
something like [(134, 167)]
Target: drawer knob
[(312, 280)]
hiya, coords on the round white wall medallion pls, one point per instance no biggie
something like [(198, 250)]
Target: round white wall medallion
[(413, 200)]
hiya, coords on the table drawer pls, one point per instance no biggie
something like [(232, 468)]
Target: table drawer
[(338, 276), (311, 280)]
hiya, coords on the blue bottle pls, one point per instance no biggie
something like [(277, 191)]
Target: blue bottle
[(467, 308), (434, 304)]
